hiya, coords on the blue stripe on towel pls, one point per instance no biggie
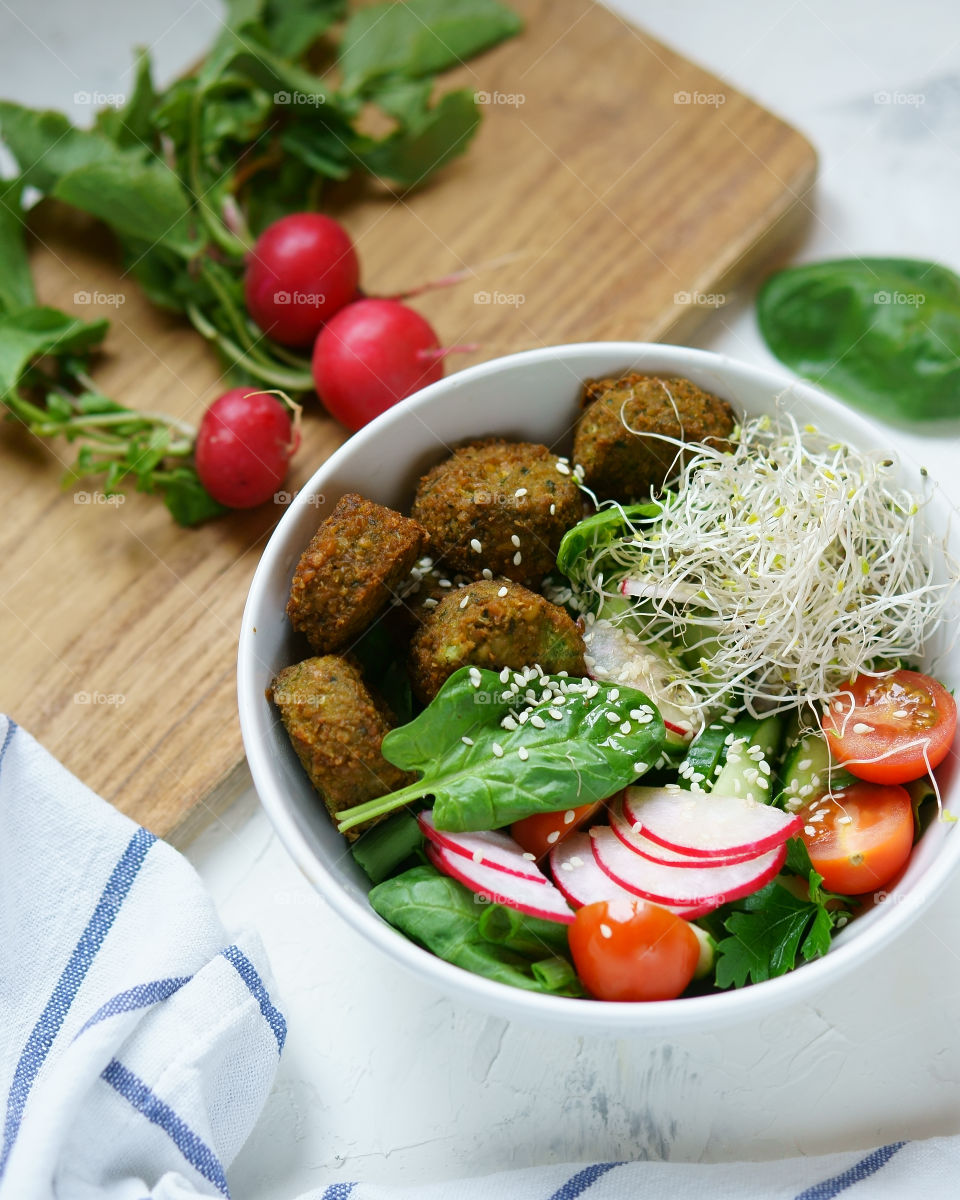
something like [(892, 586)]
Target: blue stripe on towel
[(245, 969), (582, 1180), (12, 728), (197, 1153), (51, 1019), (338, 1191), (140, 996), (866, 1167)]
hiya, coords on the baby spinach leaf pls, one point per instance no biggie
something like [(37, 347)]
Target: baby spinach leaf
[(471, 763), (420, 37), (427, 142), (445, 917), (599, 530), (882, 333)]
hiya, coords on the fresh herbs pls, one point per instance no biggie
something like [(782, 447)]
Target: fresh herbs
[(489, 758), (588, 538), (489, 940), (883, 333), (766, 931), (187, 177)]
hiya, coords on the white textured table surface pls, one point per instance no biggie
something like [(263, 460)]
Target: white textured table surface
[(385, 1079)]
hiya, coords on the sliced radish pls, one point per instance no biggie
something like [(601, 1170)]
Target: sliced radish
[(629, 834), (578, 875), (707, 824), (703, 887), (499, 887), (490, 849)]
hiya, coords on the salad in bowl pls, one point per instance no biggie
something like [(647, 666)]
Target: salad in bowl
[(644, 709)]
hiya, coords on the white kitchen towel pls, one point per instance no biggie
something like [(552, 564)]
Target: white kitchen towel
[(138, 1041)]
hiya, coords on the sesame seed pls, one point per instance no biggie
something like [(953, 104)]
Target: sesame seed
[(555, 713), (477, 856), (566, 866), (538, 722), (475, 676), (606, 931), (625, 728), (529, 857), (523, 754), (505, 675), (466, 740), (563, 468), (636, 713), (569, 816), (613, 694), (475, 545), (901, 713), (497, 750), (612, 717), (862, 727), (487, 573), (843, 820), (809, 830), (502, 592), (510, 723), (444, 583), (520, 492), (514, 539), (517, 559), (430, 602), (804, 764), (464, 602), (553, 510), (641, 767), (576, 860), (553, 837)]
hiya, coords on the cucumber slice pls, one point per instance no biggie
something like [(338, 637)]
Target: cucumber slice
[(702, 762), (708, 953), (747, 770), (808, 772)]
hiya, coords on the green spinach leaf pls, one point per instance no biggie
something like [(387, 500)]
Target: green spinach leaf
[(598, 531), (427, 142), (486, 769), (445, 917), (882, 333)]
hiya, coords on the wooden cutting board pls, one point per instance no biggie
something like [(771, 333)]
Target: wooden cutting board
[(620, 186)]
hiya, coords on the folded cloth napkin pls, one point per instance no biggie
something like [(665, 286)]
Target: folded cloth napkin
[(138, 1042)]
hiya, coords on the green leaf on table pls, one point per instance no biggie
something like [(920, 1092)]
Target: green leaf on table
[(46, 146), (138, 199), (31, 332), (445, 917), (16, 282), (294, 25), (185, 497), (578, 756), (882, 333), (132, 124), (427, 142), (420, 38)]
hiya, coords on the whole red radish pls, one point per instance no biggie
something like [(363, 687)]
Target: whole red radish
[(370, 355), (302, 269), (244, 446)]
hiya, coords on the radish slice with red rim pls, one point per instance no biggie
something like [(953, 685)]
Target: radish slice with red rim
[(631, 837), (491, 848), (705, 888), (494, 886), (577, 874), (707, 824)]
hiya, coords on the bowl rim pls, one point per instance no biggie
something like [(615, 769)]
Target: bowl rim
[(586, 1016)]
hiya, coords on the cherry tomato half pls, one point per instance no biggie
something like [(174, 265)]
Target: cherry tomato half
[(859, 837), (632, 950), (540, 833), (901, 723)]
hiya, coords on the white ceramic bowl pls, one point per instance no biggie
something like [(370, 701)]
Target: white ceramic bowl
[(533, 396)]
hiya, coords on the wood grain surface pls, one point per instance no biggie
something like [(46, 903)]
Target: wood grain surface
[(616, 186)]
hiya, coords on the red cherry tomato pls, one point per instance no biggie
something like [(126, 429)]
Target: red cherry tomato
[(541, 832), (301, 271), (370, 355), (632, 950), (244, 446), (859, 837), (892, 729)]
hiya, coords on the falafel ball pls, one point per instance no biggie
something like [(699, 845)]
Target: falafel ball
[(498, 505), (353, 565), (336, 725), (619, 463), (493, 623)]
